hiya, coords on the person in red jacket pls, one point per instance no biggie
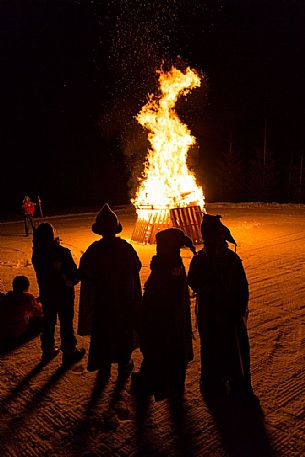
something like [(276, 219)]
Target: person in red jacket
[(28, 210), (19, 311)]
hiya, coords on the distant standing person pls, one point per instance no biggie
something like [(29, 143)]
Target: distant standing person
[(165, 327), (28, 210), (217, 275), (109, 297), (56, 274)]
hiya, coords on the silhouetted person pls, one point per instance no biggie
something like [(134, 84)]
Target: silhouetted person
[(20, 313), (217, 275), (110, 294), (56, 274), (165, 320), (28, 210)]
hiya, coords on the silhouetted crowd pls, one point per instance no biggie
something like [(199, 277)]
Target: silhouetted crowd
[(120, 318)]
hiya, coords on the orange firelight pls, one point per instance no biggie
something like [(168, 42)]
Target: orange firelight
[(166, 181)]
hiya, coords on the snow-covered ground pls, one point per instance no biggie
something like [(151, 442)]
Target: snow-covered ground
[(52, 412)]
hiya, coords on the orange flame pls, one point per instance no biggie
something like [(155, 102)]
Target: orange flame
[(167, 182)]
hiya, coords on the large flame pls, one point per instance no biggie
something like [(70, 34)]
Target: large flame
[(167, 182)]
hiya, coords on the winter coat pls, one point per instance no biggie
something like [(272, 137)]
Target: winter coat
[(16, 310), (56, 272), (28, 208), (165, 326), (221, 284), (109, 296)]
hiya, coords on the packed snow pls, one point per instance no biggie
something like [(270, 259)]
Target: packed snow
[(52, 412)]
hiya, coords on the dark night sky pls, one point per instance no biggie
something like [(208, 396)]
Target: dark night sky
[(75, 73)]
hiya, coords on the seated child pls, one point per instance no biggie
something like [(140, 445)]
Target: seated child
[(20, 312)]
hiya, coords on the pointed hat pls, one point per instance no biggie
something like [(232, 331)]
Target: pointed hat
[(213, 229), (106, 222), (172, 239)]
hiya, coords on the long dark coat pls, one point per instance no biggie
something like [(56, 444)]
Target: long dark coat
[(110, 294), (165, 328), (221, 284)]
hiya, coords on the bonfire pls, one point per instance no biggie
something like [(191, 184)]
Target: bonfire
[(168, 194)]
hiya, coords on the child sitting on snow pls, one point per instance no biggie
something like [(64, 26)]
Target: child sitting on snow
[(20, 313)]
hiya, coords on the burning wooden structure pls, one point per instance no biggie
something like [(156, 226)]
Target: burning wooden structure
[(168, 195), (151, 221)]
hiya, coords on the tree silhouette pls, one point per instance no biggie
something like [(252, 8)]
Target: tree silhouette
[(231, 175), (296, 177), (263, 176)]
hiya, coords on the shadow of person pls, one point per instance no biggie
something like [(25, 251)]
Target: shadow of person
[(16, 422), (91, 420), (7, 346), (96, 418), (150, 445), (184, 443), (22, 385), (144, 441), (118, 409), (241, 427)]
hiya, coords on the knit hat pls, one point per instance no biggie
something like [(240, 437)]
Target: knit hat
[(169, 241), (213, 230), (106, 222)]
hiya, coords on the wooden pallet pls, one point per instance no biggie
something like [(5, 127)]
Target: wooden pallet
[(155, 221), (188, 219)]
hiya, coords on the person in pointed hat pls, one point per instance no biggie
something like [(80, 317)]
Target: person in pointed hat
[(106, 222), (109, 296), (214, 232), (218, 278), (165, 320)]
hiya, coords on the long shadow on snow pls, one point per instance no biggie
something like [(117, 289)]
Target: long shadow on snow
[(16, 422), (241, 427), (7, 347), (94, 421), (16, 390), (148, 443)]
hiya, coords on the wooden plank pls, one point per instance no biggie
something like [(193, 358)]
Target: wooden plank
[(194, 227), (187, 219), (145, 230)]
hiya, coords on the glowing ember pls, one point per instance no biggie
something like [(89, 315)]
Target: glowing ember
[(167, 182)]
